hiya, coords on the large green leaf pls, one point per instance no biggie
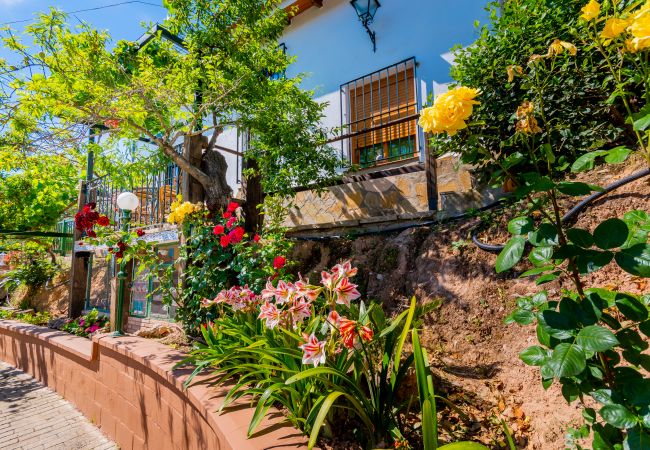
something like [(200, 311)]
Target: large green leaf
[(617, 155), (611, 233), (429, 424), (511, 254), (577, 188), (618, 416), (637, 439), (586, 161), (545, 235), (596, 339), (567, 360), (540, 256), (534, 356), (592, 260), (631, 307), (580, 237), (635, 260), (520, 225)]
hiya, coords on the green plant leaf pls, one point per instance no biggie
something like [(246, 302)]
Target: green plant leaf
[(429, 425), (580, 237), (463, 446), (520, 225), (586, 162), (577, 188), (618, 416), (402, 337), (642, 123), (540, 256), (611, 233), (592, 260), (631, 307), (596, 339), (511, 254), (635, 260), (637, 439), (617, 155), (545, 235), (567, 360), (533, 356), (520, 316)]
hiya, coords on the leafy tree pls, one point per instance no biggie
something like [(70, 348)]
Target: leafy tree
[(35, 194), (68, 80)]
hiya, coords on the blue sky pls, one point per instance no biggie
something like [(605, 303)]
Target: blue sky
[(122, 21)]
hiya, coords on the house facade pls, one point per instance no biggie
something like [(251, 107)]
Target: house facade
[(374, 78)]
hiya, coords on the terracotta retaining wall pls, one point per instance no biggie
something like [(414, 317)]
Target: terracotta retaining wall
[(127, 386)]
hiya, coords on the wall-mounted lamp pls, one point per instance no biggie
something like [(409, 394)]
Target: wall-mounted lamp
[(366, 10)]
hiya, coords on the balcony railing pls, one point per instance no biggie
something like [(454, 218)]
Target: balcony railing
[(156, 193)]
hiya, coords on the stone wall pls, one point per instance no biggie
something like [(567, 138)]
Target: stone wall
[(129, 388), (399, 197)]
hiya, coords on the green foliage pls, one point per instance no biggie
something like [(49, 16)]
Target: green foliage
[(32, 268), (163, 94), (35, 192), (34, 318), (574, 90)]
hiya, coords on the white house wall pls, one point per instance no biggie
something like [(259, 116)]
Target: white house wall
[(332, 48)]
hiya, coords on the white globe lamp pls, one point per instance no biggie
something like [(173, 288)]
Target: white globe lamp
[(127, 201)]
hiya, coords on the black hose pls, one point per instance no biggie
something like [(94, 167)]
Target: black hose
[(573, 211)]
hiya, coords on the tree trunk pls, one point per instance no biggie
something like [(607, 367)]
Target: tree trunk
[(252, 187), (217, 192)]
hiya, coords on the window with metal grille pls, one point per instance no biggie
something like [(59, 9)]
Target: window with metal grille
[(379, 114)]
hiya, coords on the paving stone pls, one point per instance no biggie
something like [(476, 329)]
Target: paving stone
[(32, 417)]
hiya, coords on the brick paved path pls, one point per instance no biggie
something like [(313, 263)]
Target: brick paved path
[(33, 417)]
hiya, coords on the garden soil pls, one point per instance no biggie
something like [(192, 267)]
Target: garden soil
[(474, 354)]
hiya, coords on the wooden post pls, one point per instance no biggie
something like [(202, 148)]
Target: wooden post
[(431, 175), (79, 267), (252, 188)]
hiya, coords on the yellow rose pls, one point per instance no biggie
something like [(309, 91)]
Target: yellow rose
[(527, 122), (591, 10), (449, 111), (640, 30), (613, 28), (557, 47), (513, 71)]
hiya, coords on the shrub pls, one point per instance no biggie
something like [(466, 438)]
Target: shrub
[(577, 104)]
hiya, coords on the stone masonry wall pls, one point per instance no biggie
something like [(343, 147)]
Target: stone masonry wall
[(392, 198)]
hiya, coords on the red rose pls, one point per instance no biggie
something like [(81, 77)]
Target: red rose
[(217, 230), (103, 221), (231, 222), (279, 262), (236, 235), (91, 233), (256, 238), (139, 232), (232, 207), (227, 215), (119, 255), (224, 241)]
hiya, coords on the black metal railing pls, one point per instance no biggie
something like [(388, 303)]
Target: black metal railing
[(156, 193), (379, 116)]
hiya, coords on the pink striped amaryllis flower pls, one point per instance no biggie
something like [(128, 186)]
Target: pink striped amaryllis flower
[(351, 330), (299, 311), (285, 292), (306, 290), (313, 351), (344, 270), (346, 292), (237, 297), (270, 313)]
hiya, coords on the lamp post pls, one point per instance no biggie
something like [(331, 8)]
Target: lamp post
[(366, 10), (127, 202)]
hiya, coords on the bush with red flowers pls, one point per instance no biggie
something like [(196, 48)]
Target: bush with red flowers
[(88, 217), (222, 255)]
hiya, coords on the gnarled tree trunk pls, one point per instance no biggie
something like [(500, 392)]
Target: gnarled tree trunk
[(217, 192)]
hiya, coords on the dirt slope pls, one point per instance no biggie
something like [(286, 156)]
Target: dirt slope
[(475, 355)]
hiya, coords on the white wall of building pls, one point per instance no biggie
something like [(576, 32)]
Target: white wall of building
[(332, 47)]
